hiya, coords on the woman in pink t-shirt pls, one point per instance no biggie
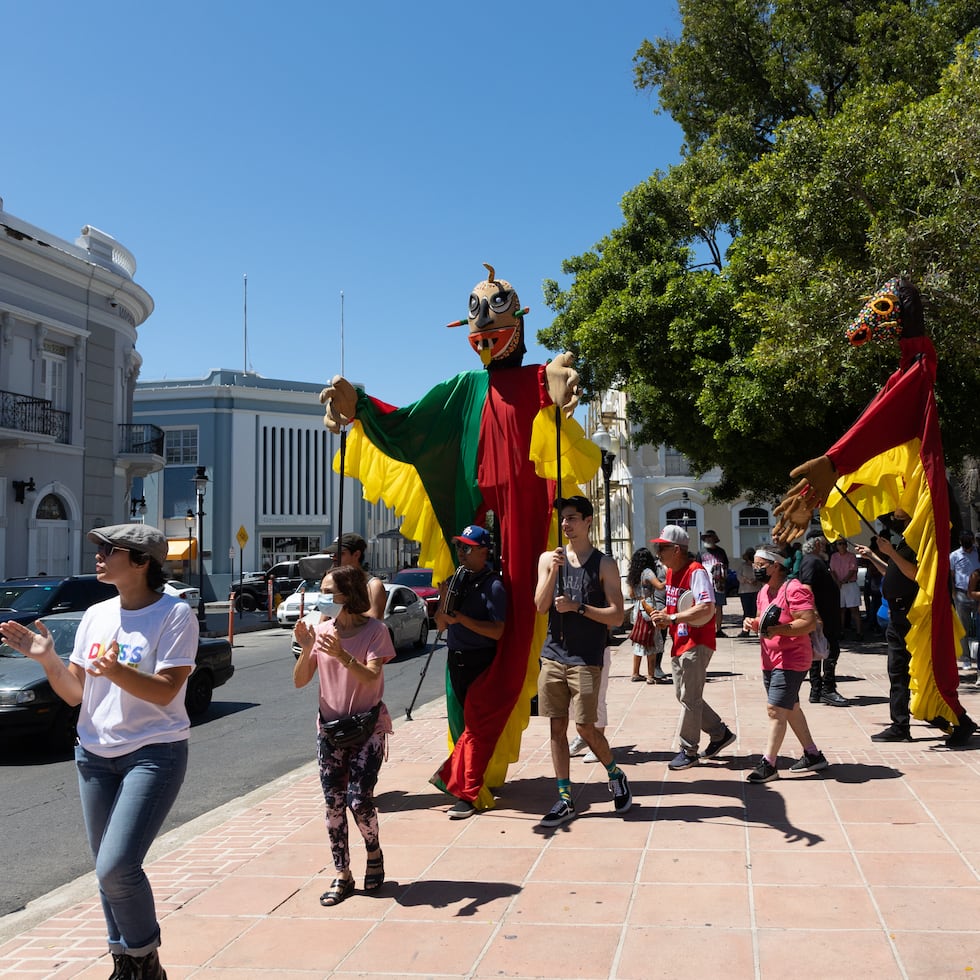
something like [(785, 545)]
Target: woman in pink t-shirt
[(786, 658), (348, 651)]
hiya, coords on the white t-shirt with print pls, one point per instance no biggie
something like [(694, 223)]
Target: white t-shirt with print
[(154, 638)]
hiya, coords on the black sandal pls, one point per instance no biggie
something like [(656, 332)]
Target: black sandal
[(340, 888), (373, 880)]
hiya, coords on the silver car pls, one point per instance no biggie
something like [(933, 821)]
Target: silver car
[(405, 617)]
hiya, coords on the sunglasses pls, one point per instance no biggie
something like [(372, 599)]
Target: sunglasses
[(465, 549), (106, 550)]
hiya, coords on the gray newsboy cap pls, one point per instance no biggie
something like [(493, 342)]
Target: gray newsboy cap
[(136, 537)]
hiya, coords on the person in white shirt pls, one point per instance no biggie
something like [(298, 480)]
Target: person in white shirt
[(962, 564), (128, 671)]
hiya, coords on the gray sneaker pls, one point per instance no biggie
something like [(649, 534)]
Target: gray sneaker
[(763, 772), (810, 763), (576, 745)]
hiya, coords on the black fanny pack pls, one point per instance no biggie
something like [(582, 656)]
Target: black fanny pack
[(352, 731)]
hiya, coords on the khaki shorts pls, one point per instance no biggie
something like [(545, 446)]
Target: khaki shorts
[(569, 692)]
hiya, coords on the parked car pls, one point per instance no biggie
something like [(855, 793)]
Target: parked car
[(252, 590), (28, 705), (27, 599), (186, 592), (297, 605), (419, 580), (405, 616)]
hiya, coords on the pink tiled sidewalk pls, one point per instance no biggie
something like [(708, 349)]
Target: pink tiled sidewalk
[(870, 869)]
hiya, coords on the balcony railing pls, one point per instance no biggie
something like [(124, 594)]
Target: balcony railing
[(141, 438), (23, 413)]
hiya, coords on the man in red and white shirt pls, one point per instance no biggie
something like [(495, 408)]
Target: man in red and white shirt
[(692, 628)]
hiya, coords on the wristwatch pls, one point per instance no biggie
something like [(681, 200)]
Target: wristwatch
[(581, 609), (673, 617)]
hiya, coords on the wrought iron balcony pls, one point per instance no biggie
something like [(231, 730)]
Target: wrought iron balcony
[(23, 413), (141, 438)]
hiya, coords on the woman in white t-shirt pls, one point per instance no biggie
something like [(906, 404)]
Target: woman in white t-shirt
[(348, 651), (128, 671)]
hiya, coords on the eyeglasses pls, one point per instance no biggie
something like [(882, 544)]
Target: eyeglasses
[(464, 549), (106, 550)]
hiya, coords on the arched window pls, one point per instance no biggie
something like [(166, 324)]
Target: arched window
[(753, 517), (51, 508)]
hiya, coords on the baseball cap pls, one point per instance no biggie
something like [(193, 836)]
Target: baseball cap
[(710, 534), (580, 503), (352, 541), (673, 534), (142, 538), (475, 535)]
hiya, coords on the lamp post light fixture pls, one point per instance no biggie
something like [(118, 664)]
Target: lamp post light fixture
[(189, 521), (138, 506), (201, 488), (21, 487), (609, 447)]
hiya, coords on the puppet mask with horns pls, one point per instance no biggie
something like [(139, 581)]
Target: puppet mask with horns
[(495, 320)]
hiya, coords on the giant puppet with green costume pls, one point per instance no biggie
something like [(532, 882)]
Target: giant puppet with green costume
[(493, 439), (891, 458)]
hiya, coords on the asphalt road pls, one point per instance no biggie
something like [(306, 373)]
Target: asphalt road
[(257, 728)]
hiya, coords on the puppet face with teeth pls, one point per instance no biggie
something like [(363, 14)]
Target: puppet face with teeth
[(494, 319)]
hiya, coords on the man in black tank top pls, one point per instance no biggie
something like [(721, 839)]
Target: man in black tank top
[(579, 588)]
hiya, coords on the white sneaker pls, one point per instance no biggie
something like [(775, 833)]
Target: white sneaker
[(590, 756), (576, 745)]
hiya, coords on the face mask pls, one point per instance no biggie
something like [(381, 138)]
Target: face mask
[(761, 574), (328, 607)]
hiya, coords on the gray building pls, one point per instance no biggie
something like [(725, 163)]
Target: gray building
[(69, 450), (271, 492)]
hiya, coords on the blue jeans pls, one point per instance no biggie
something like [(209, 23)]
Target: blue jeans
[(125, 801)]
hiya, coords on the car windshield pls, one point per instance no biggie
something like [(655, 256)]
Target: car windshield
[(31, 598), (421, 576), (62, 632)]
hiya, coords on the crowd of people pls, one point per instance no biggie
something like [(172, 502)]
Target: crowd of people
[(133, 655)]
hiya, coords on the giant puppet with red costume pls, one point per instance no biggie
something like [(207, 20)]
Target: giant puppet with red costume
[(892, 457), (494, 439)]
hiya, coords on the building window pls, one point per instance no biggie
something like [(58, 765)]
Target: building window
[(753, 517), (675, 463), (54, 369), (180, 446), (276, 548)]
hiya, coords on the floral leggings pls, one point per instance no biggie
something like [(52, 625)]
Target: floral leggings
[(348, 777)]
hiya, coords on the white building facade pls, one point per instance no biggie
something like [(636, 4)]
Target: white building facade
[(69, 450)]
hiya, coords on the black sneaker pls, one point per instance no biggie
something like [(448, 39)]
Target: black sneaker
[(717, 744), (833, 698), (810, 763), (892, 734), (763, 772), (561, 812), (619, 786), (962, 733), (682, 761), (461, 810)]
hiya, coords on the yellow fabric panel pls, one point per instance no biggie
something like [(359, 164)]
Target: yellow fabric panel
[(897, 479)]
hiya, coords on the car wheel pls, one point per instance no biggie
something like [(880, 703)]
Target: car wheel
[(200, 687), (423, 635), (62, 734), (245, 602)]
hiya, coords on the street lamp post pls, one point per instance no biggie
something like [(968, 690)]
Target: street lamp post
[(201, 488), (609, 447), (189, 520)]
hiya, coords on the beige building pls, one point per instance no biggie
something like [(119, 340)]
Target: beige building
[(650, 486)]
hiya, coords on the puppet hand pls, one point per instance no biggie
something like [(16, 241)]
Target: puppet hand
[(563, 382), (795, 510), (339, 401)]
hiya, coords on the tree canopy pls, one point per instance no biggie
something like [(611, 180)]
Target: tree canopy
[(830, 145)]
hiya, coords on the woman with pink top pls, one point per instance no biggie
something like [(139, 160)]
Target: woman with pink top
[(348, 651), (844, 568), (786, 617)]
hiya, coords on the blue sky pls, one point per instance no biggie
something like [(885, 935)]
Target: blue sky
[(384, 150)]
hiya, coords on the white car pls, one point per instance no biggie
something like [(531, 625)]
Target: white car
[(186, 592), (288, 611), (405, 616)]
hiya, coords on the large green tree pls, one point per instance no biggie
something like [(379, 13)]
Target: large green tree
[(830, 145)]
